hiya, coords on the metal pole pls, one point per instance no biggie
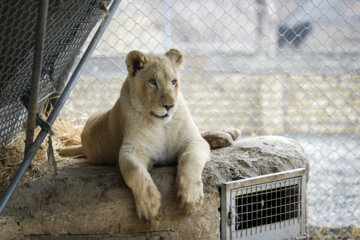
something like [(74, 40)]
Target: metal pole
[(260, 16), (60, 103), (36, 72), (167, 24)]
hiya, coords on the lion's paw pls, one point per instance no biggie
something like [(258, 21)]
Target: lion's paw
[(148, 204), (190, 194), (220, 138)]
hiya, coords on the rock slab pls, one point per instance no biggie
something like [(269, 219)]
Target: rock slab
[(92, 202)]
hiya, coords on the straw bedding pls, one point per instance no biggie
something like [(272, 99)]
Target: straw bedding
[(66, 132)]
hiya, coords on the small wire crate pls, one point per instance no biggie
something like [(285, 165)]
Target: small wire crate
[(271, 207)]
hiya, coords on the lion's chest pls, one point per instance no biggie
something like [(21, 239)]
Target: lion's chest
[(164, 148)]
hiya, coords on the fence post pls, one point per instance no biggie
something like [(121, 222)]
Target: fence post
[(36, 73), (167, 24)]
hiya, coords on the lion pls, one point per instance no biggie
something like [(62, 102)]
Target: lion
[(149, 125)]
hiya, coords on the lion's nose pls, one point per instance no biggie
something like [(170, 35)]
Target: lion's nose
[(167, 107)]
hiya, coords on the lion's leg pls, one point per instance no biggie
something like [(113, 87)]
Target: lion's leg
[(189, 182), (147, 197)]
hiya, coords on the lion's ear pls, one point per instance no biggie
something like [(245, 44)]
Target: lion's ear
[(135, 61), (175, 56)]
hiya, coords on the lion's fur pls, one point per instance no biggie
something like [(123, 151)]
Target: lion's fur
[(134, 133)]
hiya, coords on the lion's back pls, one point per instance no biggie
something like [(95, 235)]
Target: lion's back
[(96, 138)]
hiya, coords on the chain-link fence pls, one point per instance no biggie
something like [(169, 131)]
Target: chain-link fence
[(289, 68), (68, 24)]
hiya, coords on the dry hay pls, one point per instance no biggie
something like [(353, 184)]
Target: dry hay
[(66, 132), (345, 233)]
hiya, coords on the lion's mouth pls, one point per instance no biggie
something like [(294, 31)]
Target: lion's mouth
[(160, 117)]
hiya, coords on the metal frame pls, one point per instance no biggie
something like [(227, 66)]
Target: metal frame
[(227, 197), (31, 151)]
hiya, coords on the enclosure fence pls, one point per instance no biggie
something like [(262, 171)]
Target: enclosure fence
[(47, 37), (288, 68), (63, 41)]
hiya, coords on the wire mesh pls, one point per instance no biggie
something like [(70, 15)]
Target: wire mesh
[(270, 206), (263, 66), (69, 23), (267, 204)]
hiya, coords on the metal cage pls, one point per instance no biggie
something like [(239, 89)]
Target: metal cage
[(266, 207)]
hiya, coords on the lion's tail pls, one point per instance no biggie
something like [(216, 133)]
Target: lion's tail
[(71, 151)]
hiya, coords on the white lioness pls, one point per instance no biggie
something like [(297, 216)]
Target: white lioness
[(149, 124)]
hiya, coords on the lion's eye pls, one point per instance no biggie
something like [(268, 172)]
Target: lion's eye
[(174, 82), (153, 83)]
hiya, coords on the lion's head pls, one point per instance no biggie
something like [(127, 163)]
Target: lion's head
[(154, 81)]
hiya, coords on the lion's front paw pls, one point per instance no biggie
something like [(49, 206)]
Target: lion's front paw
[(148, 204), (190, 194)]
